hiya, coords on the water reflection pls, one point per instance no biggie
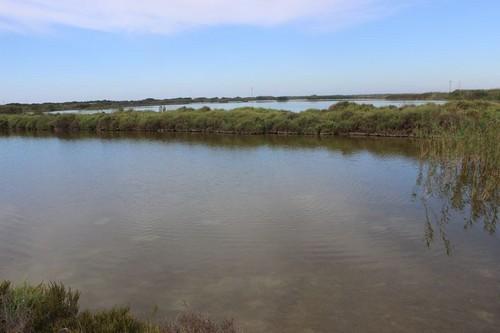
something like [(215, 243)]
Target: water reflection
[(453, 182), (459, 176), (293, 105), (345, 145)]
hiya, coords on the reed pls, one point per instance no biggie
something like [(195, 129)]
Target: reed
[(341, 119), (460, 170)]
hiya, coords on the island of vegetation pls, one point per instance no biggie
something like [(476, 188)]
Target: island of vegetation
[(344, 118)]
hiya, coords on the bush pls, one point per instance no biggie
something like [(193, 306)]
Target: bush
[(42, 308)]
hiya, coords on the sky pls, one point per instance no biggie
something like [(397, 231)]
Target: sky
[(64, 50)]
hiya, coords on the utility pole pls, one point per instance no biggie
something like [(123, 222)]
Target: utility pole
[(450, 86)]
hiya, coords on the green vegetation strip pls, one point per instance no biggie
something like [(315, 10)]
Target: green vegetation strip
[(49, 308), (341, 119)]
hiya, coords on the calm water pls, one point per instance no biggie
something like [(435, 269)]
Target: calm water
[(295, 105), (283, 234)]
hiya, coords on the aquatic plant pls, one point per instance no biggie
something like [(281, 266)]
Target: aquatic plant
[(461, 170)]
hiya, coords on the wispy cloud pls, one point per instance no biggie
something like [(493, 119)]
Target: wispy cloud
[(167, 16)]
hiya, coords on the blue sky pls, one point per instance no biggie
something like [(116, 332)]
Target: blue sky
[(166, 48)]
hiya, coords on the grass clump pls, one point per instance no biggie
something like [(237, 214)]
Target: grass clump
[(48, 308), (42, 308)]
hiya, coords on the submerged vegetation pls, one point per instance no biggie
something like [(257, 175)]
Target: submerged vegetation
[(341, 119), (48, 308)]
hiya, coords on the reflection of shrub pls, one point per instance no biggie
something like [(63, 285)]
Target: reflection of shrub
[(53, 308)]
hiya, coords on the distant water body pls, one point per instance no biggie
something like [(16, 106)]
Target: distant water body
[(294, 105)]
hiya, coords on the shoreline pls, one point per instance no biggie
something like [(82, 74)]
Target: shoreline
[(222, 133)]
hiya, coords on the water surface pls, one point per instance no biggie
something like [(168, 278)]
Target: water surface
[(293, 105), (283, 234)]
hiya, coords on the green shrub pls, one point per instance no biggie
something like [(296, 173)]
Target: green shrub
[(110, 321), (42, 308), (48, 308)]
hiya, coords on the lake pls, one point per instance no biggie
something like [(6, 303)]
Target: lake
[(284, 234), (293, 105)]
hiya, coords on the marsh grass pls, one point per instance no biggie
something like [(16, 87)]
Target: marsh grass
[(341, 119), (461, 169), (48, 308)]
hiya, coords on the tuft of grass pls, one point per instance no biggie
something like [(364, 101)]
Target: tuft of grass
[(40, 308), (196, 323)]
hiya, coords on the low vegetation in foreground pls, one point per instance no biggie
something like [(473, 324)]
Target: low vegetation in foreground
[(341, 119), (49, 308)]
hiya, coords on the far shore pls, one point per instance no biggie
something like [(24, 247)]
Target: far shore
[(345, 119)]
